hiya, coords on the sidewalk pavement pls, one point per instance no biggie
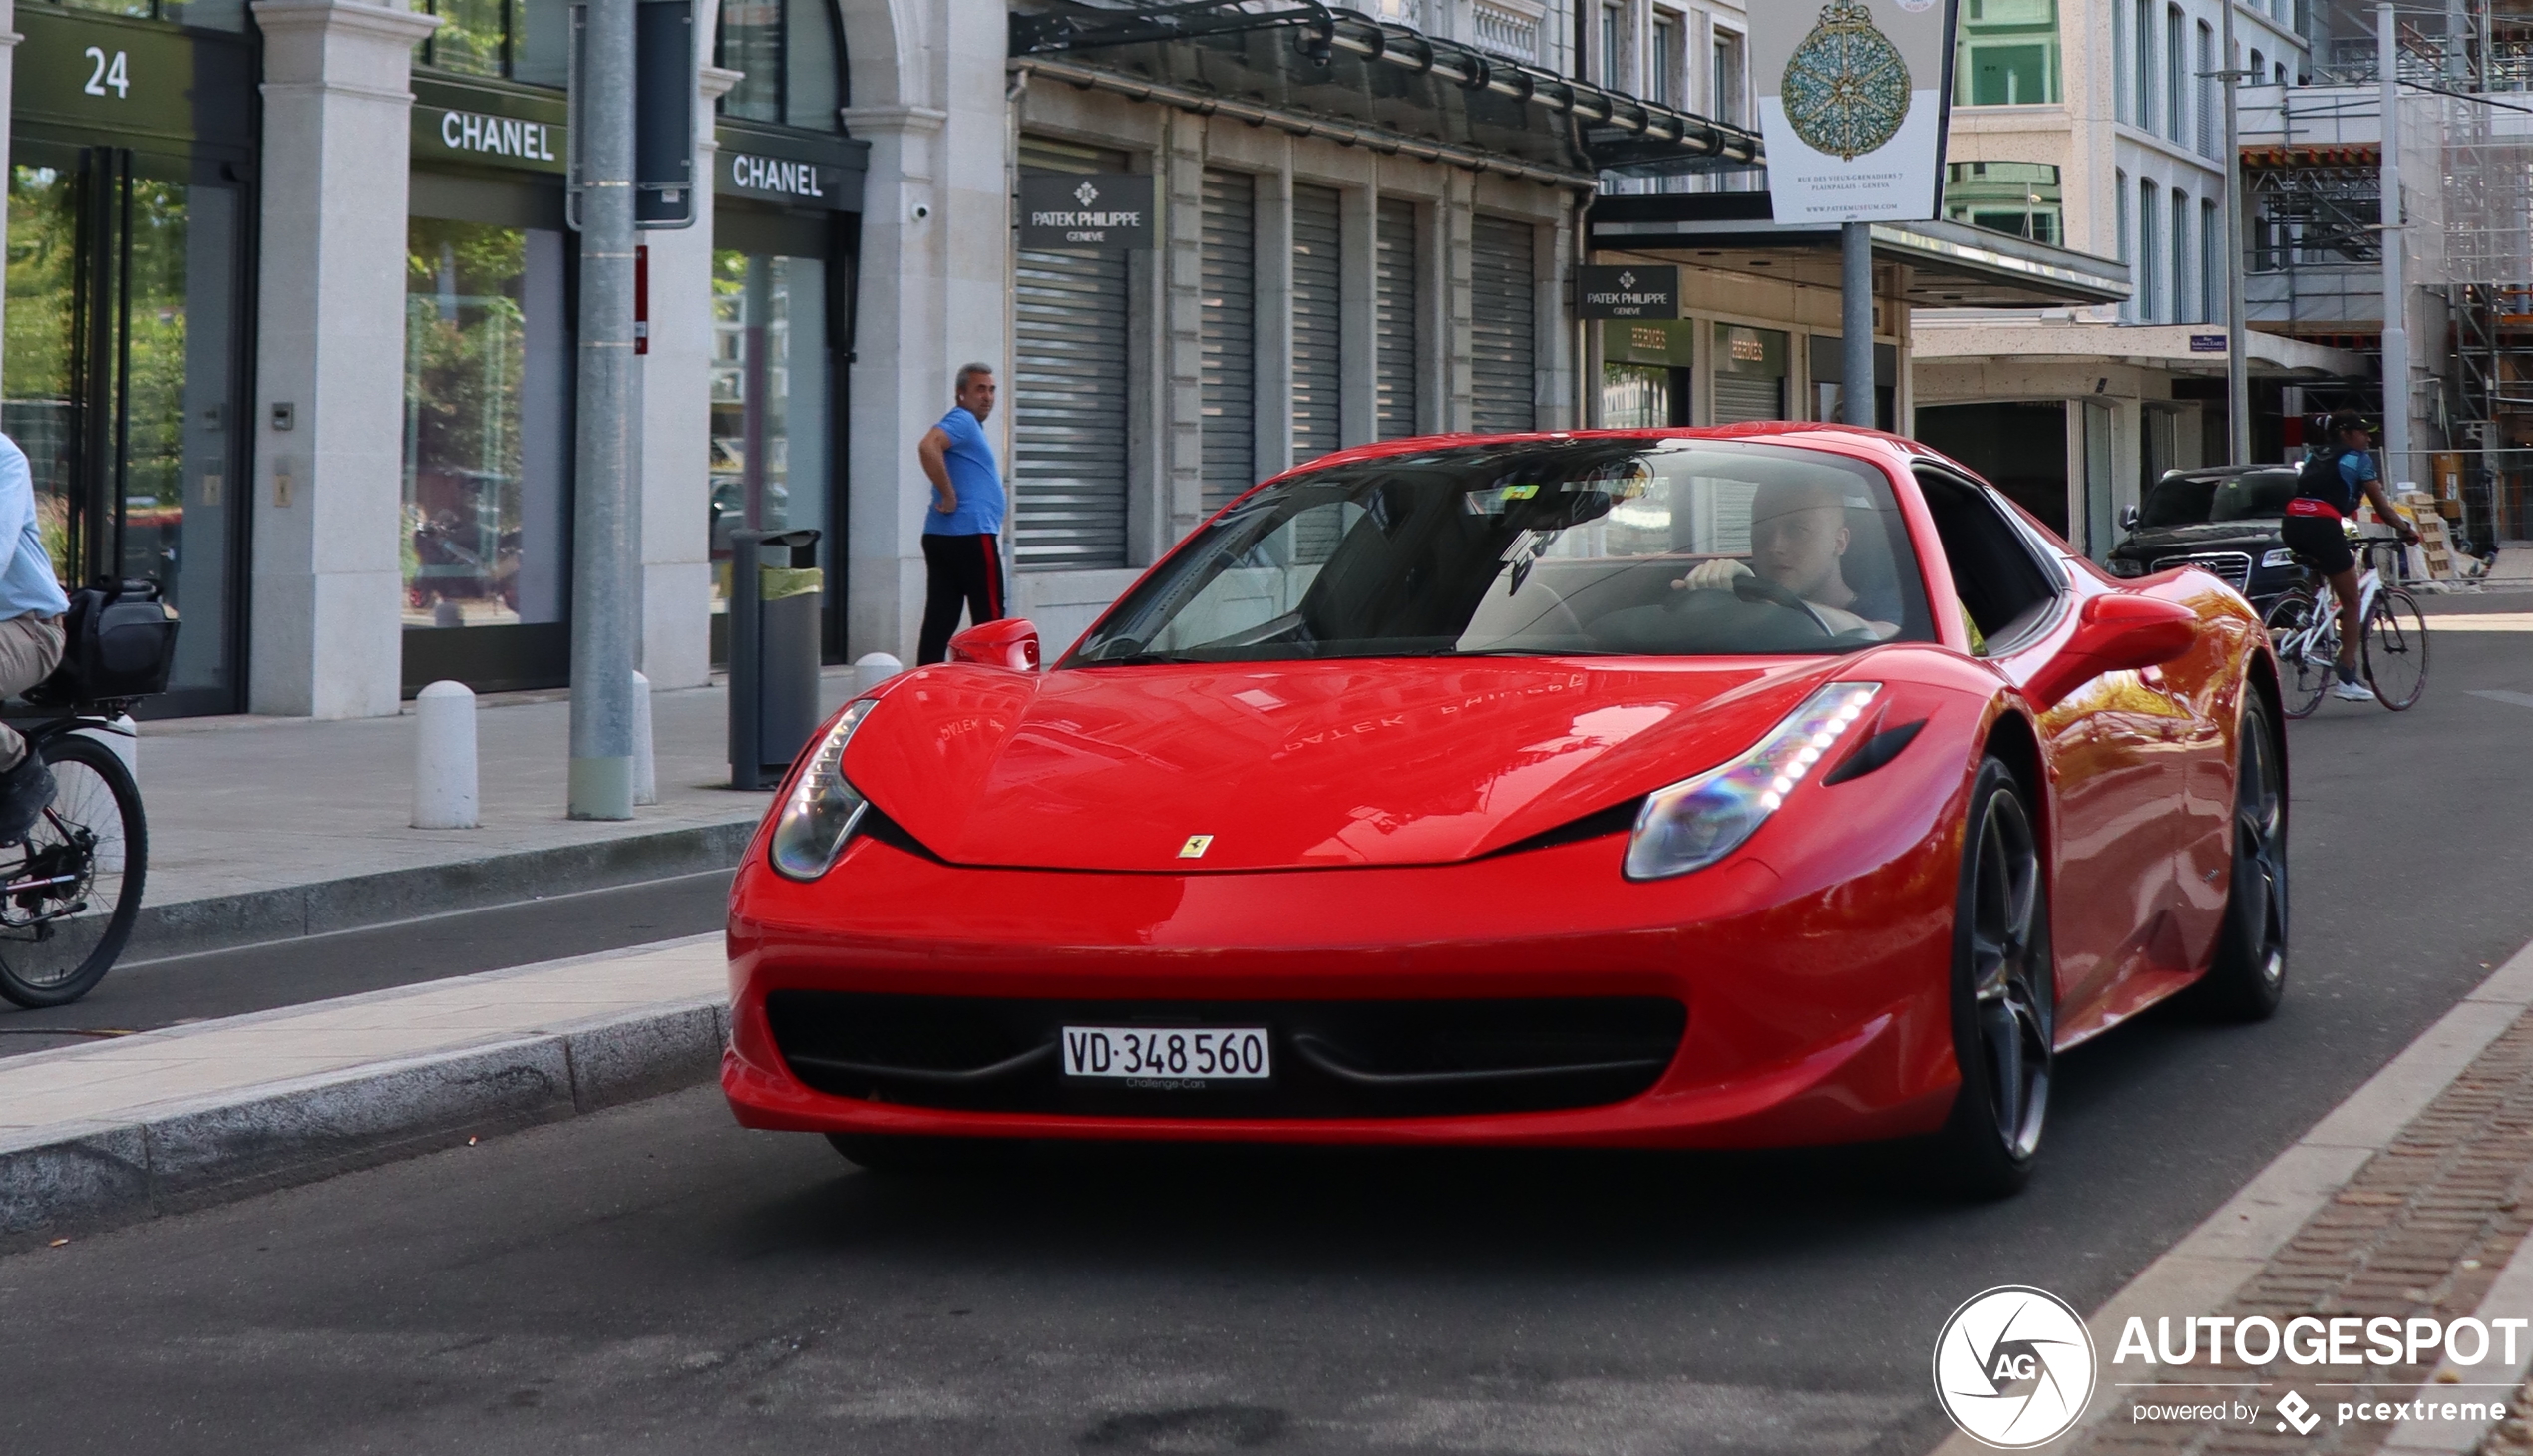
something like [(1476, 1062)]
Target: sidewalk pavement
[(267, 829), (112, 1132)]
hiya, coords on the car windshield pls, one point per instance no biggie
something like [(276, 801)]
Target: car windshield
[(1537, 548), (2190, 500)]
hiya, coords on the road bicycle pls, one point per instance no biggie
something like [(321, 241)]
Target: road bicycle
[(70, 892), (2303, 629)]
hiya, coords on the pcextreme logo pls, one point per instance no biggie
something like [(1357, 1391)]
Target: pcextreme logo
[(2013, 1366)]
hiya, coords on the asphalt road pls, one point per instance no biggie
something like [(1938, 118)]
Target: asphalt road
[(151, 994), (654, 1279)]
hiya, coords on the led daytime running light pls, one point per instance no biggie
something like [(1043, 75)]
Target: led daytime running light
[(819, 813), (1698, 821)]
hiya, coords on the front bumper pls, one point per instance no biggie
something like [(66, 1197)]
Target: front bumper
[(1811, 1008)]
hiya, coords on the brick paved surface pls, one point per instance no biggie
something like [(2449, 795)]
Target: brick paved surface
[(2420, 1232)]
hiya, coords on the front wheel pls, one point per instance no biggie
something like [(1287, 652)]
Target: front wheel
[(67, 895), (2005, 993), (2395, 649), (2305, 657)]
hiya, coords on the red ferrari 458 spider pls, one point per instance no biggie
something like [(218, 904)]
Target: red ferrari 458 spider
[(1712, 788)]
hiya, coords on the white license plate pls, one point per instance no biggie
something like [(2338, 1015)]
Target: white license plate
[(1166, 1053)]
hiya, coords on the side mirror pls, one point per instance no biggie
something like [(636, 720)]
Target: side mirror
[(2128, 518), (1011, 642), (2115, 632)]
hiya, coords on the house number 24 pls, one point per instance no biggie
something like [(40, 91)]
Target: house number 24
[(107, 73)]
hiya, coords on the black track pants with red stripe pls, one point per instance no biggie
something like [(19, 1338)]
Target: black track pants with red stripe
[(959, 571)]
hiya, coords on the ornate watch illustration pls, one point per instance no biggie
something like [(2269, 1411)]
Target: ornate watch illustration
[(1846, 89)]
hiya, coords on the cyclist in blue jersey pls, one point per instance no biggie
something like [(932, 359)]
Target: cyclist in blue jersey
[(2326, 491)]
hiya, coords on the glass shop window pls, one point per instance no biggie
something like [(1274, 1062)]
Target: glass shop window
[(488, 426), (769, 395)]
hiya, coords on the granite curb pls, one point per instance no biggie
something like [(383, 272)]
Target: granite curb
[(195, 1153), (361, 901)]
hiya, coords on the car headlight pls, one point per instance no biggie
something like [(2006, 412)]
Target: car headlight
[(1698, 821), (2282, 556), (819, 813), (2122, 566)]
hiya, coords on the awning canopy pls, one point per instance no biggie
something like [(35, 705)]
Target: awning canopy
[(1304, 68), (1943, 264)]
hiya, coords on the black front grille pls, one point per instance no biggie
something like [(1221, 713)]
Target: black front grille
[(2234, 569), (1330, 1058)]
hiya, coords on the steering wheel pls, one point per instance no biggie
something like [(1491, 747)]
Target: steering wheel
[(1754, 587)]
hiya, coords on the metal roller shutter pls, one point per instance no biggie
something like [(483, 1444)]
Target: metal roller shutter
[(1394, 321), (1317, 363), (1228, 337), (1502, 350), (1068, 420), (1742, 397)]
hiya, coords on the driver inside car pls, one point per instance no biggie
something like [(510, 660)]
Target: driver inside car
[(1798, 540)]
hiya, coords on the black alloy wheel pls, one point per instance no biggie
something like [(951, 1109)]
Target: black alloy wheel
[(2005, 993), (2249, 975)]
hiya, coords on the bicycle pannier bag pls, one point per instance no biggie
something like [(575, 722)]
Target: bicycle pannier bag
[(119, 641)]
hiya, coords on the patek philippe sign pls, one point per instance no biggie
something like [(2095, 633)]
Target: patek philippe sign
[(1630, 291), (1853, 102), (1103, 213)]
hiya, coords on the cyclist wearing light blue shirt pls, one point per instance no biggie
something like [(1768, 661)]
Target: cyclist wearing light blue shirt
[(31, 609)]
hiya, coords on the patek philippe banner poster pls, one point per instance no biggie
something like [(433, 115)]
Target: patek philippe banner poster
[(1853, 98)]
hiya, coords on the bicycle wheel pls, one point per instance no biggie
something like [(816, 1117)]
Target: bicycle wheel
[(2396, 647), (2304, 655), (67, 895)]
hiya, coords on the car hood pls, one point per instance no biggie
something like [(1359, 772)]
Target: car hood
[(1294, 765), (2206, 535)]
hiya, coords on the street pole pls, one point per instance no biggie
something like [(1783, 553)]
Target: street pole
[(2396, 334), (604, 614), (1856, 323), (2238, 382)]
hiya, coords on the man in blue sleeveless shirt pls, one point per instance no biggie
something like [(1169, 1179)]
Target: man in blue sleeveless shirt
[(963, 533)]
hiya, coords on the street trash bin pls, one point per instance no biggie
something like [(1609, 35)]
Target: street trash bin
[(774, 620)]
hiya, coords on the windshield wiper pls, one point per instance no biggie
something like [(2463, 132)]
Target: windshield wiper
[(1140, 660)]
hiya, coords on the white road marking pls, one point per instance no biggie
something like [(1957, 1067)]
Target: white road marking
[(2494, 621), (2501, 695)]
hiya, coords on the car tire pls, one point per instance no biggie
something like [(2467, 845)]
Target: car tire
[(2004, 993), (2247, 977), (894, 1153)]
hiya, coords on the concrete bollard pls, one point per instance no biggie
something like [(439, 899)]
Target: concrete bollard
[(443, 757), (873, 669), (645, 767)]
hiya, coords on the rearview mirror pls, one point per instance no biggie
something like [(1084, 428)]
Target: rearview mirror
[(1011, 642), (2115, 632), (2128, 518)]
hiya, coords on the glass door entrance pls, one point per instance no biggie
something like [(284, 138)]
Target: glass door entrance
[(124, 289)]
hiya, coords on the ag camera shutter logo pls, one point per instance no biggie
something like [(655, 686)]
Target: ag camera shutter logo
[(2014, 1367)]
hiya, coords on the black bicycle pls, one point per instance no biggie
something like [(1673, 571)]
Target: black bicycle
[(70, 892)]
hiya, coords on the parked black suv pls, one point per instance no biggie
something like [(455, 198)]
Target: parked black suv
[(2224, 521)]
